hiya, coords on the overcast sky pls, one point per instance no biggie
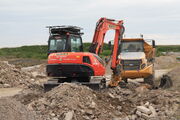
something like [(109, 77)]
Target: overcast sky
[(22, 22)]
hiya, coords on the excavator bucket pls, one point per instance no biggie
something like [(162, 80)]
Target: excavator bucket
[(165, 82)]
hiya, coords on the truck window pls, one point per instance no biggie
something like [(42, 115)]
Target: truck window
[(132, 47)]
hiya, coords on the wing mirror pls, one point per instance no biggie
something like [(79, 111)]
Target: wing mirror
[(153, 43), (109, 44)]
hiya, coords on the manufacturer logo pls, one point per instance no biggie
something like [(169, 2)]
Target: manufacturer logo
[(131, 64), (112, 27)]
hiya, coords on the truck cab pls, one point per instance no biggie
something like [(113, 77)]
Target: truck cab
[(136, 59)]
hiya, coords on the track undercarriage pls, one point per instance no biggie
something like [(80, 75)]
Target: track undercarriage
[(95, 83)]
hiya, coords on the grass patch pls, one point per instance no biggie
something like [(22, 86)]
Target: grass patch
[(40, 51), (35, 52)]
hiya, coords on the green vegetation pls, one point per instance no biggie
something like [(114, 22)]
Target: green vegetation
[(167, 48), (35, 52), (106, 50), (40, 51)]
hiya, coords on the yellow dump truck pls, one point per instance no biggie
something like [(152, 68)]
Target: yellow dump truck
[(136, 59)]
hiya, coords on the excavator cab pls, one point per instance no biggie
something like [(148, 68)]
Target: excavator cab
[(65, 39), (66, 60)]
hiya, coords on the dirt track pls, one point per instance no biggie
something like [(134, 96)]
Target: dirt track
[(73, 102)]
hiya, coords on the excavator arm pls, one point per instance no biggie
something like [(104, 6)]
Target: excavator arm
[(102, 26)]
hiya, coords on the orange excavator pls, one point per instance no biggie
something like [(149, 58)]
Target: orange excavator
[(68, 63)]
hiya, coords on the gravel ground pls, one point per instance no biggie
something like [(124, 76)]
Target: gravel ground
[(76, 102)]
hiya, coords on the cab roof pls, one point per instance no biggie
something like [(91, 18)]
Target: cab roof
[(57, 30)]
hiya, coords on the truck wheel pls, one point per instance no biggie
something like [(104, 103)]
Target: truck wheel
[(149, 80), (125, 80)]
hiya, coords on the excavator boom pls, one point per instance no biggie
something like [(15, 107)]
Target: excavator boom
[(102, 26)]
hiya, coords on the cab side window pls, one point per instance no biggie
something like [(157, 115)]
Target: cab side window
[(86, 59)]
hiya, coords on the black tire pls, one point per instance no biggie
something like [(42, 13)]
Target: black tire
[(149, 80), (125, 80)]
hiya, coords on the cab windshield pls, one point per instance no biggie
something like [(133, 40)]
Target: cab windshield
[(132, 47), (57, 44)]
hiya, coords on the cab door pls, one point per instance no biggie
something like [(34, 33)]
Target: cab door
[(76, 44)]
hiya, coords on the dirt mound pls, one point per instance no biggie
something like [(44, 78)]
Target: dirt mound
[(10, 109), (71, 100), (78, 102), (11, 76), (165, 62), (29, 94)]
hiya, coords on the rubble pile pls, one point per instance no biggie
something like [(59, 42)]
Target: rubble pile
[(72, 101), (148, 105), (29, 94), (11, 109), (75, 102), (36, 71), (11, 76)]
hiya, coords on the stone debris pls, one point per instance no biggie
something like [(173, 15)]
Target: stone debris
[(69, 115), (36, 71), (71, 101), (143, 109), (10, 109), (75, 102), (154, 113), (10, 76)]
